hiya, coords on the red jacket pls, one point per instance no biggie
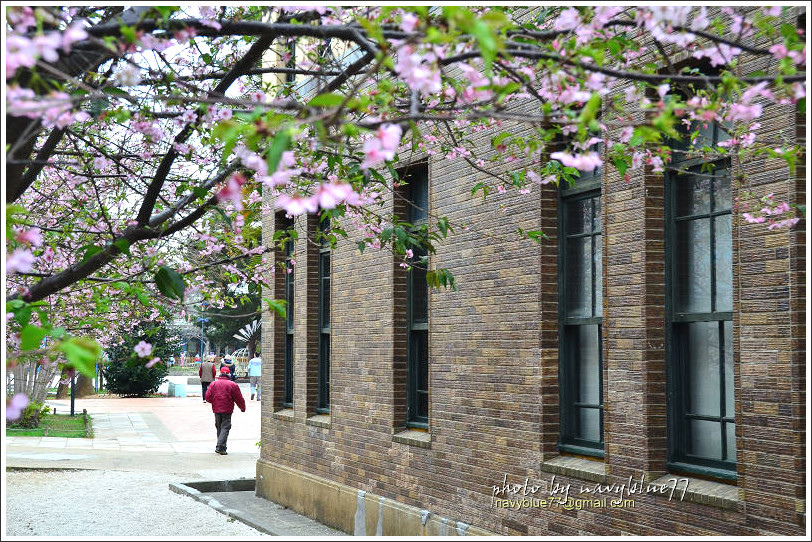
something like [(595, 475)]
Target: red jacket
[(223, 394)]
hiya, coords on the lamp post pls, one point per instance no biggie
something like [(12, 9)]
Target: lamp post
[(202, 337)]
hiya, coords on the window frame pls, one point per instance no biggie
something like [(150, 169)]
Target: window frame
[(415, 364), (587, 187), (325, 336), (679, 460), (289, 352)]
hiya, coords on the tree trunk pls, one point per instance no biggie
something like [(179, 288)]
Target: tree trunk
[(84, 386), (63, 391)]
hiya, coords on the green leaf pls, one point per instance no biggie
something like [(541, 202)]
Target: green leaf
[(82, 353), (123, 246), (278, 306), (128, 33), (361, 246), (330, 99), (31, 337), (23, 315), (281, 143), (170, 283), (536, 235), (90, 250)]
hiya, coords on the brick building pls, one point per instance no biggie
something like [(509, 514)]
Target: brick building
[(654, 339)]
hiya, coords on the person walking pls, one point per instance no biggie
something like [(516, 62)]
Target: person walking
[(208, 373), (255, 376), (232, 368), (223, 394)]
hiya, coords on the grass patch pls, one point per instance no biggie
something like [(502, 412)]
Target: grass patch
[(56, 425)]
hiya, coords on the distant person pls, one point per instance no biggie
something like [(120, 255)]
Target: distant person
[(207, 372), (255, 376), (223, 394), (232, 368)]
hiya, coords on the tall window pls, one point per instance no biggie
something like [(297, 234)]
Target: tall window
[(287, 397), (417, 309), (702, 433), (323, 406), (580, 319)]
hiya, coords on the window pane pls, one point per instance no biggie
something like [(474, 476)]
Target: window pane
[(692, 261), (419, 197), (693, 195), (579, 279), (324, 372), (419, 295), (589, 424), (701, 343), (730, 429), (597, 258), (729, 387), (324, 302), (724, 263), (596, 214), (579, 216), (705, 439), (420, 365), (587, 364), (721, 192)]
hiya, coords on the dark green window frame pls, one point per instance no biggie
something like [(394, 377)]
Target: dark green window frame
[(699, 304), (417, 305), (580, 397), (323, 405), (287, 397)]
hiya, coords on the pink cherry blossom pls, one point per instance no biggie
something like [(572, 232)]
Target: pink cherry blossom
[(19, 261), (47, 45), (409, 22), (32, 236), (15, 406), (567, 20), (232, 191), (296, 205), (152, 362), (74, 33), (20, 52), (583, 162), (743, 112), (143, 349)]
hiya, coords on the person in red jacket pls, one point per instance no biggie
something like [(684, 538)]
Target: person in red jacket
[(223, 394)]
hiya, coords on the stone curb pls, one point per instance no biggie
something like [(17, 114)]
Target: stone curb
[(226, 485)]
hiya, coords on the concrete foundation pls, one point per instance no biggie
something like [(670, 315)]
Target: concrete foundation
[(352, 510)]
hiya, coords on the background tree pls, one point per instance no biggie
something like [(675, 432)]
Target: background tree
[(129, 129)]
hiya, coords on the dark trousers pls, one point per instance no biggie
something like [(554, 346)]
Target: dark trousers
[(222, 422), (205, 387)]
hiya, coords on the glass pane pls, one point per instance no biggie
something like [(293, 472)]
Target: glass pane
[(579, 277), (693, 265), (324, 372), (705, 439), (729, 387), (730, 429), (587, 364), (721, 192), (724, 263), (288, 368), (419, 196), (324, 302), (701, 343), (579, 216), (597, 258), (596, 213), (693, 195), (419, 294), (420, 366), (589, 424)]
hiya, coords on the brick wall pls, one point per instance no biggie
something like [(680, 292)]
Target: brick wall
[(494, 361)]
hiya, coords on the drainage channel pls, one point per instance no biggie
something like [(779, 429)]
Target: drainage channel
[(237, 499)]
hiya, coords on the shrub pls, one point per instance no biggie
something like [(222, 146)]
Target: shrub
[(32, 415), (126, 374), (133, 379)]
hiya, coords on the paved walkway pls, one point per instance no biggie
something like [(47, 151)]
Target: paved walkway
[(157, 424), (174, 436)]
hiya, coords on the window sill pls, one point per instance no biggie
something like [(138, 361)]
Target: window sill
[(699, 491), (284, 414), (576, 467), (421, 439), (319, 420)]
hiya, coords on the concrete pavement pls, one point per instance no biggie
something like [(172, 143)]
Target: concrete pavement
[(171, 435)]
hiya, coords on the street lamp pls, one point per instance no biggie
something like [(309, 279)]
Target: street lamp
[(202, 338)]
